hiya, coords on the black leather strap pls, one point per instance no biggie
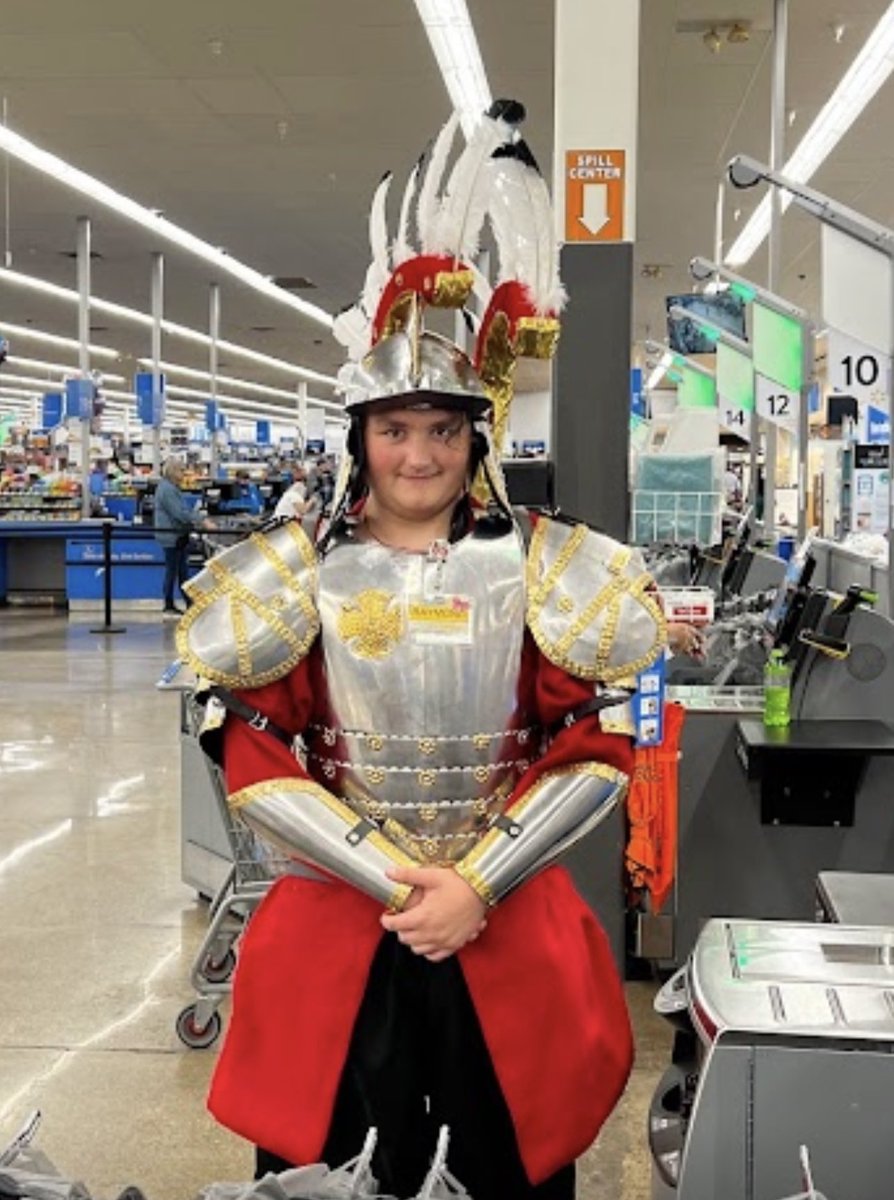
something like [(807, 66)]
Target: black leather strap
[(251, 716), (586, 709)]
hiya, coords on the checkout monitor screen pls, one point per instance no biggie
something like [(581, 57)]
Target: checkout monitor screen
[(789, 599)]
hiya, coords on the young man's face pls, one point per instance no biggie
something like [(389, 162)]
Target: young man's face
[(417, 461)]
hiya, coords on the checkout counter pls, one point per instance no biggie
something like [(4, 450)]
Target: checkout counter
[(761, 812)]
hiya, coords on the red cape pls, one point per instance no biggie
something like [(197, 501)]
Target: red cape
[(542, 979)]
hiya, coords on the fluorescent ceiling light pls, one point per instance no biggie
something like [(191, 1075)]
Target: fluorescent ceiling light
[(17, 391), (861, 81), (52, 339), (247, 385), (250, 405), (46, 384), (231, 405), (20, 279), (455, 47), (16, 360), (20, 148), (658, 374)]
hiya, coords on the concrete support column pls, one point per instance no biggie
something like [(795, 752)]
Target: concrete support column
[(597, 89)]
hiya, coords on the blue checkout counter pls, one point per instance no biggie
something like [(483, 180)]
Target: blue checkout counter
[(62, 561)]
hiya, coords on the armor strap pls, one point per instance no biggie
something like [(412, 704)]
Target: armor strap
[(587, 708), (251, 716)]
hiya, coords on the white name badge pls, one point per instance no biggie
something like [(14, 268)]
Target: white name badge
[(439, 620)]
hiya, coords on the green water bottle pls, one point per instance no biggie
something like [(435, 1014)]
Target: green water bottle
[(777, 690)]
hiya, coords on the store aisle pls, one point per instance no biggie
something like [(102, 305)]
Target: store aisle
[(98, 931)]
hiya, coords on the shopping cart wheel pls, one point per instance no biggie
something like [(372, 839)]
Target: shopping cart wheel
[(196, 1036), (218, 970)]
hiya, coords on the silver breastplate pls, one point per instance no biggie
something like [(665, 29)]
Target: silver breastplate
[(422, 656)]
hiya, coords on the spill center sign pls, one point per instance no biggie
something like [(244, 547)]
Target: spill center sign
[(594, 195)]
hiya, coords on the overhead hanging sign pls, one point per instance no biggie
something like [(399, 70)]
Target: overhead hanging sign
[(878, 426), (53, 410), (594, 195), (150, 401), (857, 289), (778, 346), (735, 420), (777, 404), (79, 397), (859, 370), (215, 420)]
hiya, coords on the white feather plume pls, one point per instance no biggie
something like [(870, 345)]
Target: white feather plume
[(379, 270), (429, 199), (465, 201), (403, 247), (547, 290), (521, 217), (352, 328)]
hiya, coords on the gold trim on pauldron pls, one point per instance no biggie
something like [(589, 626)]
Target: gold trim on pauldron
[(257, 792), (468, 866), (609, 597), (371, 623), (228, 587)]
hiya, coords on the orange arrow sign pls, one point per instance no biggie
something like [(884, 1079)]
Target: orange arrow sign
[(594, 195)]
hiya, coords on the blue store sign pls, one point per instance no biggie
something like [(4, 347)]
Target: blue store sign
[(79, 397), (878, 425), (214, 418), (150, 402), (53, 410)]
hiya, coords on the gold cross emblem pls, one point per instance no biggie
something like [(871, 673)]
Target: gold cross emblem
[(371, 624)]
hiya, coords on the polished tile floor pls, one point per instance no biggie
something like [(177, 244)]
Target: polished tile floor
[(98, 931)]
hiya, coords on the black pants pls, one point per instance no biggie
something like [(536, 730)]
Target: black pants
[(175, 568), (418, 1060)]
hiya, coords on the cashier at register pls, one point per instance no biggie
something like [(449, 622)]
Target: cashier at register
[(247, 497)]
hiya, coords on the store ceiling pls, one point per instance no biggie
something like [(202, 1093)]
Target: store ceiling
[(263, 128)]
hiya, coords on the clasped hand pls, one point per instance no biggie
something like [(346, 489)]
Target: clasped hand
[(442, 914)]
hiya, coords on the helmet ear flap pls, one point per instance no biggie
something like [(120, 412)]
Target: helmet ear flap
[(354, 441), (478, 453)]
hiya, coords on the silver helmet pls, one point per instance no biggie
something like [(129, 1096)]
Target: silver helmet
[(419, 368)]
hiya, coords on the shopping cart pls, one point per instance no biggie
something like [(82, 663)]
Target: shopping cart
[(253, 868)]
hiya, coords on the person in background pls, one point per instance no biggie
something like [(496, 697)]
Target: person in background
[(174, 520), (247, 495), (684, 639), (293, 503), (99, 482)]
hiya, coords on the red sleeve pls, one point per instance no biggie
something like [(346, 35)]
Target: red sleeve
[(251, 755), (552, 693)]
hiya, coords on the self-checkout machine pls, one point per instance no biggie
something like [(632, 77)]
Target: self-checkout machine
[(718, 825), (785, 1030)]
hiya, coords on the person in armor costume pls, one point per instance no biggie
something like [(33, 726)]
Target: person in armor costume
[(453, 671)]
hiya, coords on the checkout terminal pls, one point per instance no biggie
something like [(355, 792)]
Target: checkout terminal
[(784, 1029)]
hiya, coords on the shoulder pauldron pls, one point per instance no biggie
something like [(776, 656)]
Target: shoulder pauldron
[(592, 608), (254, 613)]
